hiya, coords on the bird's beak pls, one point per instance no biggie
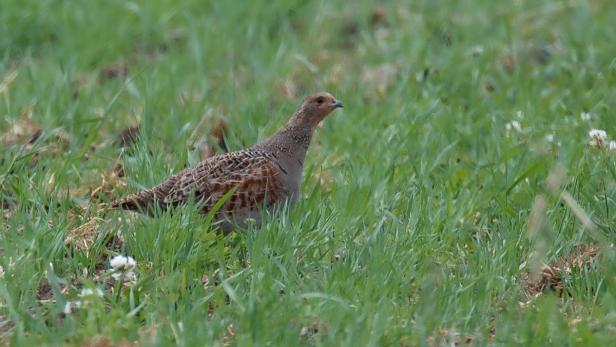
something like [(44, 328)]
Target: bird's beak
[(337, 104)]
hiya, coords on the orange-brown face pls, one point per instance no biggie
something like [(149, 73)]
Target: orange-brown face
[(319, 105)]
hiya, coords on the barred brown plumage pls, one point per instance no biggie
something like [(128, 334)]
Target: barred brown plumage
[(265, 175)]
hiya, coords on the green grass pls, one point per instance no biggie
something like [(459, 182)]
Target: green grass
[(416, 199)]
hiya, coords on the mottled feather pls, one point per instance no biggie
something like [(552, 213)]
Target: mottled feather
[(264, 175), (254, 175)]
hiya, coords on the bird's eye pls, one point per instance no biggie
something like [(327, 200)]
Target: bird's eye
[(319, 100)]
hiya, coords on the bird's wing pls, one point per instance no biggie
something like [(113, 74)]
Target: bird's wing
[(254, 175)]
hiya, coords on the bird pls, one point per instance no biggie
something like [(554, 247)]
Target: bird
[(264, 176)]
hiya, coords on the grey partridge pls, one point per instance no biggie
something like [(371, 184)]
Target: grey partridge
[(265, 175)]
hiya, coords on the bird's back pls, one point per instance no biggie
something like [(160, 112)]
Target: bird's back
[(254, 175)]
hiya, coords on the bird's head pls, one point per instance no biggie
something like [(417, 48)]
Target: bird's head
[(316, 107)]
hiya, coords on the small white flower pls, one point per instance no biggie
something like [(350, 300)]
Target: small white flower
[(120, 262), (550, 138), (476, 50), (598, 133), (513, 125), (85, 292), (585, 116), (71, 306), (122, 268), (67, 308), (519, 115), (612, 145), (597, 137), (127, 276), (83, 302)]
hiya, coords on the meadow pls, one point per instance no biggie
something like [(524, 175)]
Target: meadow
[(457, 198)]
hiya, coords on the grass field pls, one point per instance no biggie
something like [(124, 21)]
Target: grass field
[(460, 164)]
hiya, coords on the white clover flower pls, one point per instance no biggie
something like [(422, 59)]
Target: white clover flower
[(612, 145), (122, 268), (71, 306), (550, 138), (513, 125), (598, 137), (519, 115), (476, 50), (86, 292), (120, 262), (67, 308), (585, 116), (83, 302), (127, 276)]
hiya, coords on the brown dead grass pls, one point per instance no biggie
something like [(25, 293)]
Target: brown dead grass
[(25, 133), (22, 131), (44, 291), (128, 136), (229, 336), (551, 276), (110, 185), (312, 330), (84, 236), (219, 132), (6, 207), (379, 17), (450, 337), (115, 70)]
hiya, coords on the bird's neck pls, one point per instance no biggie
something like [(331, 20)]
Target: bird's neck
[(292, 140)]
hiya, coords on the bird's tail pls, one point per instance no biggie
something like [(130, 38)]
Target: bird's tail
[(135, 202)]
